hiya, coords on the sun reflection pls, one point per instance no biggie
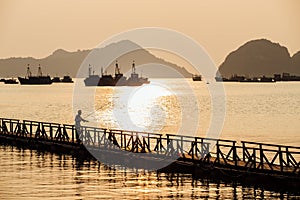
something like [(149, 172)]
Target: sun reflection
[(151, 107), (144, 109)]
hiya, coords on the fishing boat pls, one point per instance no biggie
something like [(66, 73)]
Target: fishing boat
[(243, 79), (118, 80), (197, 77), (10, 81), (106, 79), (39, 79), (56, 79), (267, 79), (67, 79), (135, 79), (92, 79)]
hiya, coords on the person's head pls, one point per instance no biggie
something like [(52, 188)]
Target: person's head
[(79, 112)]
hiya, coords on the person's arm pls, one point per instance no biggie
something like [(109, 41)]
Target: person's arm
[(84, 120)]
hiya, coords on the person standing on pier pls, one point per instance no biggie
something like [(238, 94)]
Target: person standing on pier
[(78, 120)]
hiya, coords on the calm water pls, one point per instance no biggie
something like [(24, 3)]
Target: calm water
[(255, 112), (27, 174)]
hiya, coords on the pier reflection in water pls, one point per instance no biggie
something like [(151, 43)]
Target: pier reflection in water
[(33, 174)]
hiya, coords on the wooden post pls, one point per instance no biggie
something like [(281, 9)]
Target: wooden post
[(196, 147), (11, 130), (254, 158), (125, 143), (149, 145), (30, 129), (192, 149), (168, 143), (218, 152), (132, 142), (181, 145), (160, 144), (121, 135), (234, 154), (244, 151), (51, 131), (73, 131), (261, 156), (287, 156), (280, 158)]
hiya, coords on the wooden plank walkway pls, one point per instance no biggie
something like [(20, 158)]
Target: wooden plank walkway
[(277, 159)]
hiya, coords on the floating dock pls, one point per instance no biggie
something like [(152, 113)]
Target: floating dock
[(249, 163)]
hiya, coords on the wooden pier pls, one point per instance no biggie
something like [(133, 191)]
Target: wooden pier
[(245, 162)]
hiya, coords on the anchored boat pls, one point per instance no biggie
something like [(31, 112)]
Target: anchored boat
[(39, 79), (135, 80), (67, 79), (118, 80), (10, 81), (197, 77)]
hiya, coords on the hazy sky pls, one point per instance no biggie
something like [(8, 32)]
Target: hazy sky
[(38, 27)]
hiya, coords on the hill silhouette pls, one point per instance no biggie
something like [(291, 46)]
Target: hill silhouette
[(62, 62), (260, 57)]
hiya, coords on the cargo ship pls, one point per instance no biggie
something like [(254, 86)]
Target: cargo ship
[(118, 80), (39, 79)]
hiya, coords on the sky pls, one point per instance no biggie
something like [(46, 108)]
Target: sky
[(36, 28)]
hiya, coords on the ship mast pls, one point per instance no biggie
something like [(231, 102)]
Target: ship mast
[(40, 71), (117, 69), (28, 71), (90, 70), (133, 67)]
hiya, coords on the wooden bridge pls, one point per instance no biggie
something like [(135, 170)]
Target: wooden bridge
[(243, 161)]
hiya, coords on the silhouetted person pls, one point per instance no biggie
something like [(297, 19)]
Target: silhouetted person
[(78, 120)]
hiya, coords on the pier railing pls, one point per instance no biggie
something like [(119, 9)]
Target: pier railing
[(244, 155)]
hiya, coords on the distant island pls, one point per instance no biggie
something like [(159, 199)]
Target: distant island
[(62, 62), (259, 58), (256, 58)]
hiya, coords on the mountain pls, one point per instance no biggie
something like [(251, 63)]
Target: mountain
[(62, 62), (260, 57), (296, 62)]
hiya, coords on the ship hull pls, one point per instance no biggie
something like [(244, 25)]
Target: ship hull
[(39, 80)]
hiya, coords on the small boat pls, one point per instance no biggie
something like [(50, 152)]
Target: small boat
[(197, 77), (243, 79), (35, 80), (267, 79), (56, 79), (10, 81), (2, 80), (67, 79)]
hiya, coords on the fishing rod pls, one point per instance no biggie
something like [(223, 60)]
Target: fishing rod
[(91, 113)]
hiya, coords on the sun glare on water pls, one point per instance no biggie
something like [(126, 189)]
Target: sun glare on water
[(144, 109)]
